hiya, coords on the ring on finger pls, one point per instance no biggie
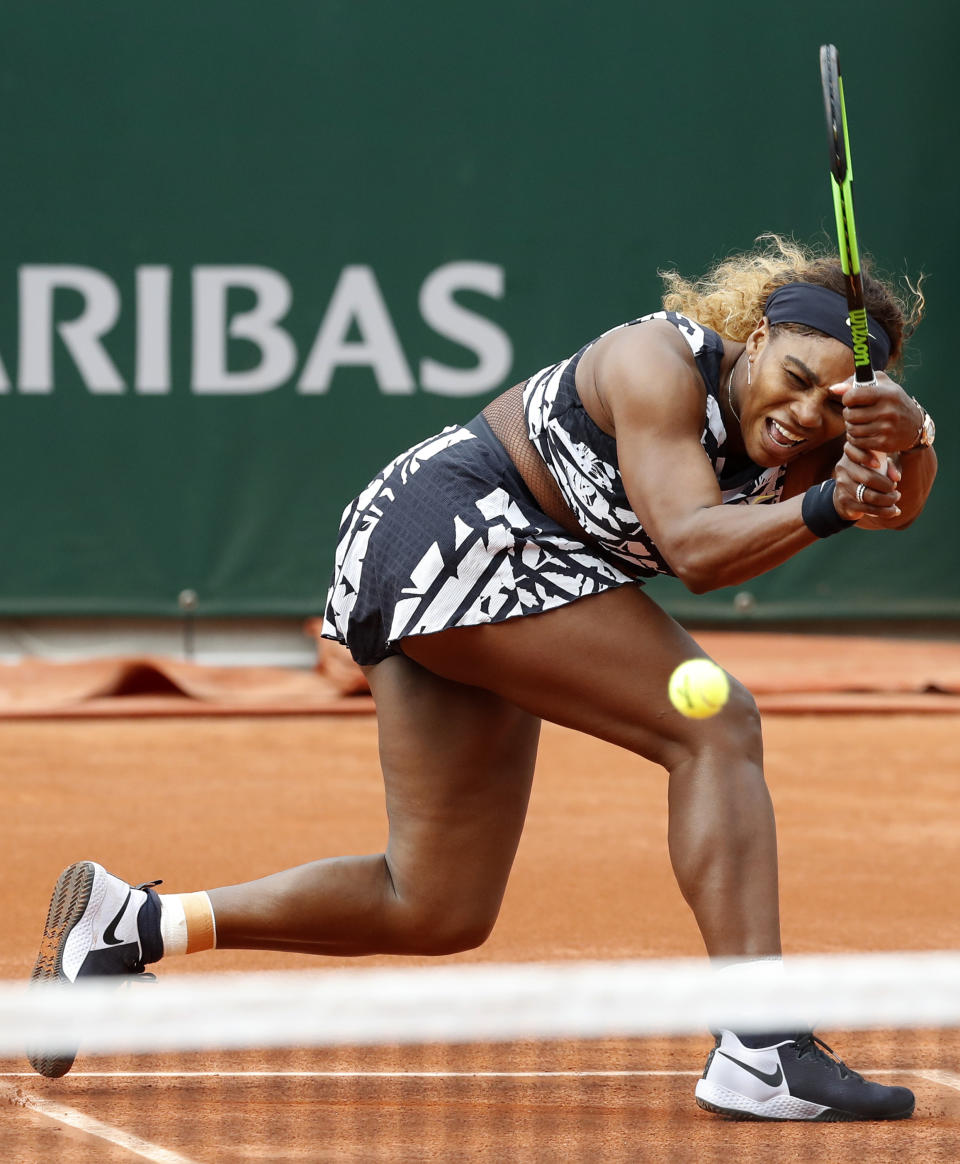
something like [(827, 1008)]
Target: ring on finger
[(861, 489)]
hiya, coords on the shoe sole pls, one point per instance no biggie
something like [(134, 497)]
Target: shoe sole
[(71, 896), (828, 1116)]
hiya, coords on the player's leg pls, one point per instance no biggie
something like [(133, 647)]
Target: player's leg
[(457, 767), (601, 665)]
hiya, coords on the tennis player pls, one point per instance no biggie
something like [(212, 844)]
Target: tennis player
[(492, 576)]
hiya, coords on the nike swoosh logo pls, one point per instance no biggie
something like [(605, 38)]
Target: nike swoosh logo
[(850, 325), (110, 933), (773, 1079)]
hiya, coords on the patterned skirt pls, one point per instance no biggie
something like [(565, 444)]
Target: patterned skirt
[(449, 535)]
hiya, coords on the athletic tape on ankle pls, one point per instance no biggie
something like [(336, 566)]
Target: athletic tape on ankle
[(201, 926), (186, 923)]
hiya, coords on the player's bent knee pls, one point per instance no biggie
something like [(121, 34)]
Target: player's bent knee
[(456, 941), (744, 713), (735, 729), (738, 724), (443, 933)]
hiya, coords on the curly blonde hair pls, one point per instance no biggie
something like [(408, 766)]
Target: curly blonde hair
[(730, 297)]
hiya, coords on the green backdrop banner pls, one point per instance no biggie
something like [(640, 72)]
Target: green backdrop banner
[(251, 252)]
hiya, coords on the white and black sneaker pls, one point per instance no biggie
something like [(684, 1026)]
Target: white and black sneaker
[(97, 926), (793, 1078)]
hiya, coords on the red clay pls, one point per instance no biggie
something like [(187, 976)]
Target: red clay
[(867, 818)]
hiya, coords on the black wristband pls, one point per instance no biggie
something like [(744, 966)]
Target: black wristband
[(819, 513)]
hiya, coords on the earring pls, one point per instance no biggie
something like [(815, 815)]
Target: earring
[(749, 366)]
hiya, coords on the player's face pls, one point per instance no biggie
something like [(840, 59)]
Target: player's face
[(788, 408)]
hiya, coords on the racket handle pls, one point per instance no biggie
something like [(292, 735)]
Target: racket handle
[(866, 378)]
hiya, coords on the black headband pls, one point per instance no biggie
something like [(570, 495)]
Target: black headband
[(820, 308)]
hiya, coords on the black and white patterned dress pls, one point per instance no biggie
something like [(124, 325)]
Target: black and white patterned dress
[(449, 535)]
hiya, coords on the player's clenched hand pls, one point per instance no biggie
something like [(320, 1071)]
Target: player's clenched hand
[(879, 416), (880, 491)]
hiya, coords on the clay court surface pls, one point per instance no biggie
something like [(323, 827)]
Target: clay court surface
[(868, 825)]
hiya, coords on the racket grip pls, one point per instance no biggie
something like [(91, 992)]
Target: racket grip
[(869, 380)]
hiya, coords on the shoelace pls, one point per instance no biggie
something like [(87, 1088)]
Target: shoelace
[(809, 1044)]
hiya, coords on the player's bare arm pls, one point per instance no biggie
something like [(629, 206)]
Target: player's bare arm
[(653, 401)]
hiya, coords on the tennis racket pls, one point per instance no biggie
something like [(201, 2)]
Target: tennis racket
[(841, 183)]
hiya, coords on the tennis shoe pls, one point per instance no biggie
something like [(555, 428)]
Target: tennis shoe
[(796, 1078), (97, 926)]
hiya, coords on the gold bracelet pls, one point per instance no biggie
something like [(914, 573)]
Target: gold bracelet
[(926, 432)]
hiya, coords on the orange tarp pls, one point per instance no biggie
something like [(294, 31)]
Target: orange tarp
[(786, 673)]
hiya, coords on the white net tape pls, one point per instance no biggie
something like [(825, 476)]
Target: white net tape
[(454, 1004)]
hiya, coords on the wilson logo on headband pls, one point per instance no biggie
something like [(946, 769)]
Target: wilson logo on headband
[(869, 333), (861, 335)]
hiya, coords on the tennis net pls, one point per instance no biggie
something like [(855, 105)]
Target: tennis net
[(569, 1061)]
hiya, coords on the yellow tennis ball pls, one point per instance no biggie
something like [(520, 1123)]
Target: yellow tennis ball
[(699, 688)]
